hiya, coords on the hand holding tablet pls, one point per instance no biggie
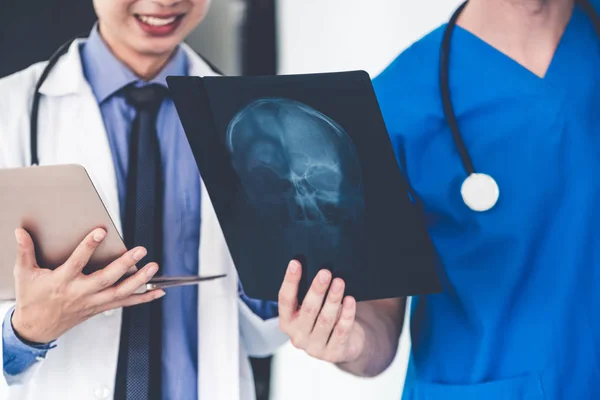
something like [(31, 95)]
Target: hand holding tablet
[(51, 302), (58, 207)]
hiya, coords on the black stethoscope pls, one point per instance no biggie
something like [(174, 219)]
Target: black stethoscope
[(33, 130), (479, 191)]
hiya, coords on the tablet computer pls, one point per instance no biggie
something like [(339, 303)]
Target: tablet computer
[(59, 206)]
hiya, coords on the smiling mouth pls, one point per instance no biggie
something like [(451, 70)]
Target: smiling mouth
[(158, 21)]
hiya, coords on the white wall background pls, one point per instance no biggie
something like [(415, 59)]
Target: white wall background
[(218, 37), (333, 35), (337, 35)]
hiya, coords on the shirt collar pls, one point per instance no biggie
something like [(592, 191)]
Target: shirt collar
[(106, 74)]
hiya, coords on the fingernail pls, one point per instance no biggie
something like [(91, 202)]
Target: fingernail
[(323, 277), (160, 294), (293, 268), (139, 254), (337, 286), (151, 270), (99, 235), (18, 237)]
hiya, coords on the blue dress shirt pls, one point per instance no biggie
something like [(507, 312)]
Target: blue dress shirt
[(106, 76)]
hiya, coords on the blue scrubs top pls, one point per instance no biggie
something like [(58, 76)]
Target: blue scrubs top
[(519, 317)]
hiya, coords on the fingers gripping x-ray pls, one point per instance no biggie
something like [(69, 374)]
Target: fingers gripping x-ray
[(287, 153)]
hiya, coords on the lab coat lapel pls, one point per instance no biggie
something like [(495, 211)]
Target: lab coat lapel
[(218, 350), (72, 130)]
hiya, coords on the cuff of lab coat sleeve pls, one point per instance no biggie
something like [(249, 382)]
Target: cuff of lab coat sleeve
[(23, 378), (262, 337), (264, 309), (18, 357), (18, 353)]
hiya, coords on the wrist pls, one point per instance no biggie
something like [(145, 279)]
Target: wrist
[(25, 332)]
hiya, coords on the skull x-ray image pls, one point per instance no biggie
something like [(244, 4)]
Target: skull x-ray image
[(289, 154), (301, 167)]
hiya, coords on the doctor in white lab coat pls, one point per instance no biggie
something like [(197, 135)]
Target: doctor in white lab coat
[(83, 364)]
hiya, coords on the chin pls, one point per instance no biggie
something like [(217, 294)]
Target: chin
[(158, 47)]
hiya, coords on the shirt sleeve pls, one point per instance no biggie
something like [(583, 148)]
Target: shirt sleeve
[(264, 309), (18, 354)]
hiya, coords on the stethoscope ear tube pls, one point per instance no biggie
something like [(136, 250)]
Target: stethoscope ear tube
[(479, 191), (591, 12), (444, 72), (33, 121)]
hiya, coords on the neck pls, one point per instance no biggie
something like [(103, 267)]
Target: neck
[(145, 66), (528, 31)]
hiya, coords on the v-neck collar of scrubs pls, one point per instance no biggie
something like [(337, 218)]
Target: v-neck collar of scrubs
[(572, 50)]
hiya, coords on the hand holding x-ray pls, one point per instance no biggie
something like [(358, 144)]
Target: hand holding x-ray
[(327, 331), (360, 338)]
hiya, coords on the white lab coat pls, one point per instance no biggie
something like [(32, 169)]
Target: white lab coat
[(83, 365)]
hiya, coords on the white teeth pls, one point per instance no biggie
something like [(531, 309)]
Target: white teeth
[(155, 21)]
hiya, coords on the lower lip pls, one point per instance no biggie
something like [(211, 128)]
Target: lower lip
[(162, 30)]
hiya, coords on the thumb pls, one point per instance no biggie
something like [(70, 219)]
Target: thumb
[(25, 250)]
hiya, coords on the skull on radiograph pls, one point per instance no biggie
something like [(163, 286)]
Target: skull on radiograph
[(297, 162)]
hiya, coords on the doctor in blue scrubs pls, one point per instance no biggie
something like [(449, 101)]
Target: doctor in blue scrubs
[(496, 116)]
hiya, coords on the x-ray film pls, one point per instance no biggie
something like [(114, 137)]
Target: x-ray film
[(301, 167)]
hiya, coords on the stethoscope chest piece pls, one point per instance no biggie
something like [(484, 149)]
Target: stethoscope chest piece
[(480, 192)]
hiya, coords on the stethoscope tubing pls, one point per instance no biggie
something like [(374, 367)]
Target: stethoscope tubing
[(62, 50), (444, 78)]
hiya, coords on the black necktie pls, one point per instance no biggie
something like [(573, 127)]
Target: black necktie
[(139, 367)]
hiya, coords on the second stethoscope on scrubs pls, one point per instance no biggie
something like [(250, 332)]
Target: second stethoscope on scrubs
[(479, 191)]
